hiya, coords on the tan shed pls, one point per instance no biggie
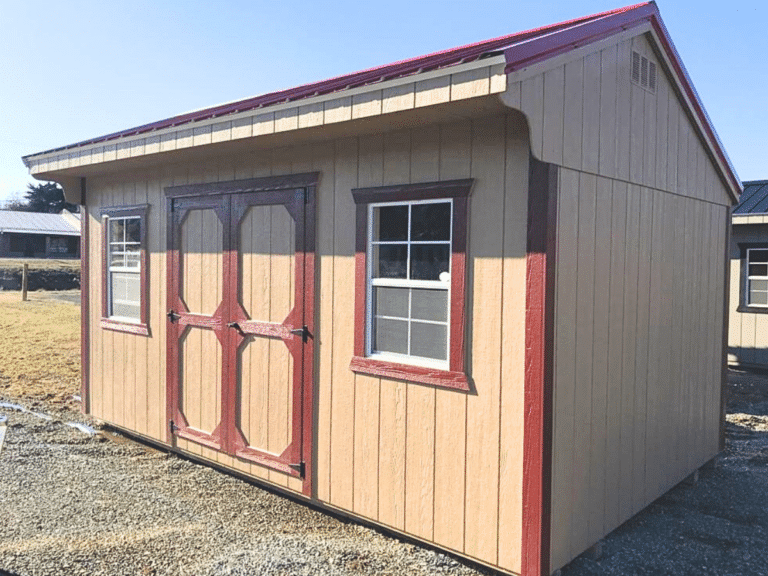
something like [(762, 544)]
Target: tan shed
[(474, 297), (748, 306)]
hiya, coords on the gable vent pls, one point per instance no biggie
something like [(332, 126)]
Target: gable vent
[(643, 72)]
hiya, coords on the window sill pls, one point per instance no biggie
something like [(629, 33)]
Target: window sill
[(127, 327), (752, 309), (409, 373)]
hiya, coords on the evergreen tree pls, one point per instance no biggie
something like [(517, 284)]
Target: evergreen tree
[(46, 197)]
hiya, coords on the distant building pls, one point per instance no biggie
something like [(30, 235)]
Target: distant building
[(38, 235), (748, 324)]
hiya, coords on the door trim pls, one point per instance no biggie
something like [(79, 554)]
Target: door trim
[(262, 184), (272, 187)]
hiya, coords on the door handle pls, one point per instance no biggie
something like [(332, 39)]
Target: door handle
[(235, 325), (172, 316)]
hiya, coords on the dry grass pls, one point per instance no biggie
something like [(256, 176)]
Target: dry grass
[(40, 347), (40, 264)]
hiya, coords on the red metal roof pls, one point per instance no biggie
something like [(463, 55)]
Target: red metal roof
[(399, 69), (520, 50)]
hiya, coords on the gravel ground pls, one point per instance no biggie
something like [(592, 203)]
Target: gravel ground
[(80, 504)]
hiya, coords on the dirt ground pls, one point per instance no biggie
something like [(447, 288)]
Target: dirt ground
[(40, 347), (718, 525)]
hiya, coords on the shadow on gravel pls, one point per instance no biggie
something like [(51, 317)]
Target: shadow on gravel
[(717, 526)]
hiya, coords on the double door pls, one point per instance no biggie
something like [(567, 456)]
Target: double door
[(239, 329)]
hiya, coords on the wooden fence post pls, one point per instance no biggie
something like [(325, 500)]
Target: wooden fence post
[(24, 276)]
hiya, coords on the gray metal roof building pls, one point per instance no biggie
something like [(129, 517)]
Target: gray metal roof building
[(38, 223), (754, 199)]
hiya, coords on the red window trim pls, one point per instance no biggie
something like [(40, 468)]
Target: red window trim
[(141, 328), (455, 377)]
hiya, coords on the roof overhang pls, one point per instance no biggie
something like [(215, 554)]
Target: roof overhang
[(449, 92), (459, 74)]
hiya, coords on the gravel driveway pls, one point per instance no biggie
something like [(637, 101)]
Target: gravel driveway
[(80, 504)]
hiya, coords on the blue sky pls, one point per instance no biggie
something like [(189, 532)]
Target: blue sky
[(79, 69)]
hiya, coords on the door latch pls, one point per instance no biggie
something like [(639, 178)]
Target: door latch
[(303, 332), (236, 326), (172, 316)]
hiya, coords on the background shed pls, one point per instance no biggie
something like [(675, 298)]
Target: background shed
[(229, 287), (748, 303), (38, 235)]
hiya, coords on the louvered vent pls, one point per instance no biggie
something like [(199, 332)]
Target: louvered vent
[(643, 72), (636, 67)]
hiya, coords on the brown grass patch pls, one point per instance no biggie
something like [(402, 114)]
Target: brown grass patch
[(72, 265), (40, 347)]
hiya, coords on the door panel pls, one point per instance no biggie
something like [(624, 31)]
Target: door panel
[(197, 332), (239, 353), (268, 235), (201, 257), (200, 385), (266, 394), (267, 263)]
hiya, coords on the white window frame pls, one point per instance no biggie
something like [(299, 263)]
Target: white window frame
[(125, 269), (372, 282), (750, 277)]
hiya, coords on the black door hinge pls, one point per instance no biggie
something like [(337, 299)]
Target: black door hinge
[(173, 427), (172, 316), (298, 468), (303, 332)]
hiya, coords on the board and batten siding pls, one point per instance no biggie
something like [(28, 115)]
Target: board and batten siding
[(747, 331), (442, 465), (639, 300)]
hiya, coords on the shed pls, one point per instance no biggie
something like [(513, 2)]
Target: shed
[(39, 235), (474, 297), (748, 306)]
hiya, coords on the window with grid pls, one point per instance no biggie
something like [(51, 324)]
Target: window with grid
[(125, 268), (409, 281), (410, 285), (124, 283), (757, 277)]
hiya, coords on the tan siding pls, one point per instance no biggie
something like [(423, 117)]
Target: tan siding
[(614, 394), (439, 464), (565, 367), (367, 388), (599, 441), (637, 376), (485, 249), (573, 98), (393, 401), (614, 128), (513, 345), (455, 146), (636, 360), (343, 384), (420, 424), (608, 109)]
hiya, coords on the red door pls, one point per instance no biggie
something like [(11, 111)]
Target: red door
[(240, 299)]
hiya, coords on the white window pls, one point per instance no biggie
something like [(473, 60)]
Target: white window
[(757, 277), (409, 281), (124, 268)]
